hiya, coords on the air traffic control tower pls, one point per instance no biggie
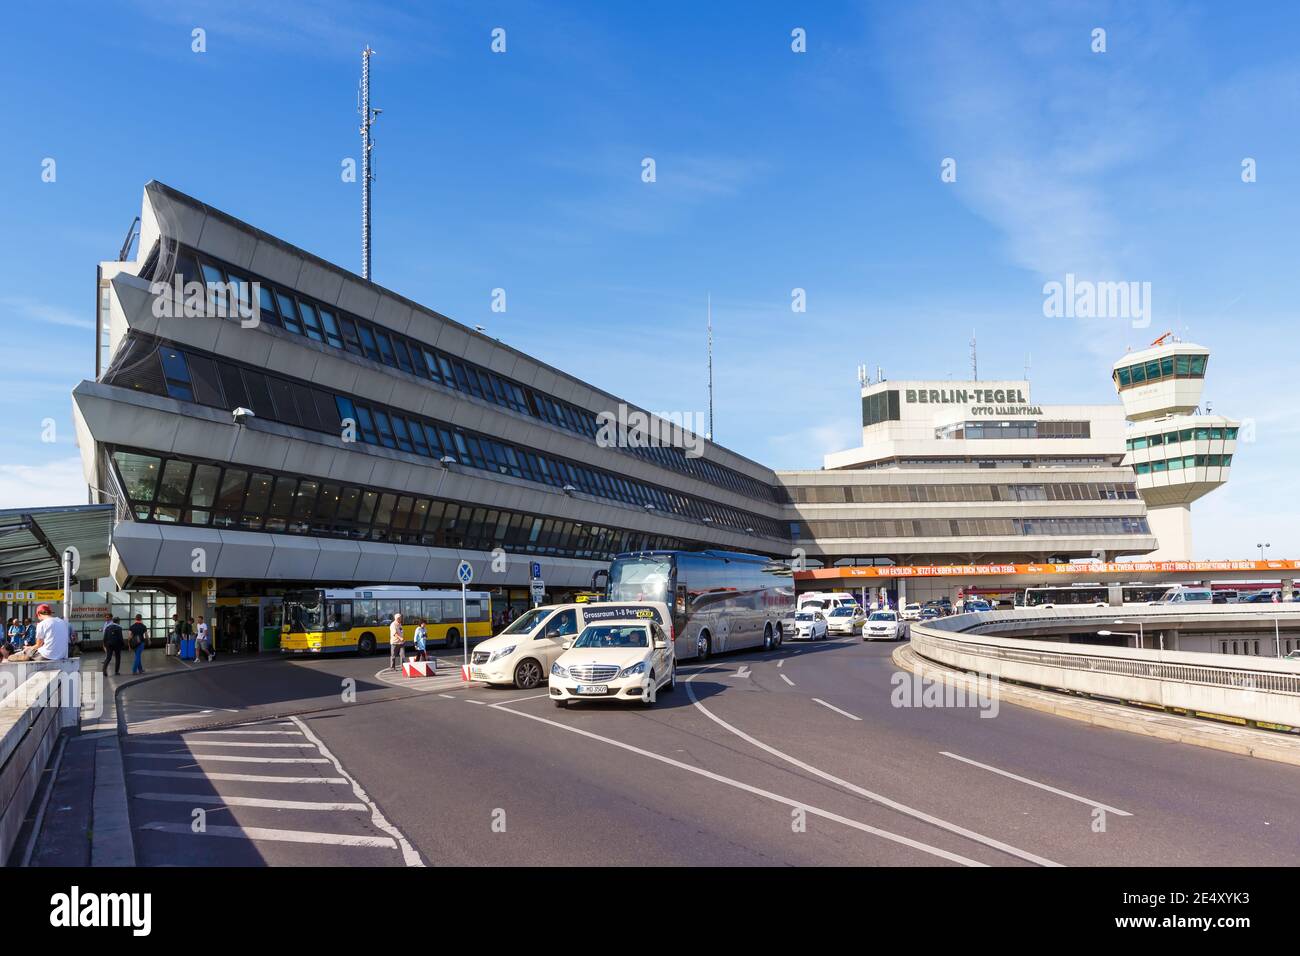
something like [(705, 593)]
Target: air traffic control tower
[(1177, 451)]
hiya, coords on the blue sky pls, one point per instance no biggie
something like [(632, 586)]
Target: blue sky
[(775, 170)]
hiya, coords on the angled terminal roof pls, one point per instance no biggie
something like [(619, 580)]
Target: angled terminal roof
[(32, 541)]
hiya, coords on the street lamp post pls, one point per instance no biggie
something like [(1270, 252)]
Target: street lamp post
[(1261, 549), (1121, 634), (1141, 636)]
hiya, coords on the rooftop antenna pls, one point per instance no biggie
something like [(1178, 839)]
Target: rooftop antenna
[(1029, 361), (863, 378), (974, 362), (368, 117), (709, 310)]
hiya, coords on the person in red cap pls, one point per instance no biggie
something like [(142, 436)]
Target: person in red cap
[(51, 638)]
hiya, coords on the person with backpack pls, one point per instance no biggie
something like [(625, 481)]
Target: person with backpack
[(114, 641), (139, 637)]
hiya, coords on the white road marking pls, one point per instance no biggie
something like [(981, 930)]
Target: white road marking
[(744, 671), (780, 662), (281, 836), (862, 791), (240, 777), (757, 791), (448, 696), (1041, 786), (228, 759), (214, 743), (409, 855), (844, 713), (516, 700), (481, 703), (278, 733), (783, 677), (218, 800)]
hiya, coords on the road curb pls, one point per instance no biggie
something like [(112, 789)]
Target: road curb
[(1113, 716)]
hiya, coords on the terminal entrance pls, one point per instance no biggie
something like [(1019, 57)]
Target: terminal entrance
[(247, 625)]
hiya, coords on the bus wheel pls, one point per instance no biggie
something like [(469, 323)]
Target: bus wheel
[(768, 642), (702, 646), (366, 646), (453, 637), (780, 636), (528, 674)]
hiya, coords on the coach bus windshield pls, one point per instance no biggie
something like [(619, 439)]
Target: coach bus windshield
[(641, 579)]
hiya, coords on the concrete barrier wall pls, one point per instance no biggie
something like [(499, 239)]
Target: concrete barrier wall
[(40, 701), (1251, 688)]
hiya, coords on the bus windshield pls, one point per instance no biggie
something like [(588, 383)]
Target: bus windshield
[(304, 611), (640, 579), (527, 621)]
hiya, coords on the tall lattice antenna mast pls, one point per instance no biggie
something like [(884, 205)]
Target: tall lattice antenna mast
[(709, 309), (368, 117), (974, 360)]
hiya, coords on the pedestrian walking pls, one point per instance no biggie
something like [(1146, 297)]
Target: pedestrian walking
[(29, 632), (422, 642), (113, 642), (14, 634), (396, 646), (203, 641), (139, 638)]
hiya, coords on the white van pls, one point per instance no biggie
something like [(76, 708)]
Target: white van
[(1182, 595), (825, 601), (625, 653), (522, 654)]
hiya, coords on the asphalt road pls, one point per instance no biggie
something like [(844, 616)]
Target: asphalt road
[(797, 756)]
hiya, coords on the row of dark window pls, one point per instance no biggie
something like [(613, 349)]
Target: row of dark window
[(1015, 429), (1185, 462), (172, 490), (880, 407), (188, 375), (975, 527), (330, 326), (1204, 433), (906, 494), (1170, 366)]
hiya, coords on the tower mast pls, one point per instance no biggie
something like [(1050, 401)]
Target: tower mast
[(368, 117)]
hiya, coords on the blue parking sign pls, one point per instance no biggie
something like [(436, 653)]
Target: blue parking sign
[(537, 570)]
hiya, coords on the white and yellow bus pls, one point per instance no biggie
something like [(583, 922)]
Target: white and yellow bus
[(331, 620)]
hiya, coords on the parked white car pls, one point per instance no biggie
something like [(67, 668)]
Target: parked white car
[(883, 626), (810, 626), (912, 612), (845, 619), (621, 659)]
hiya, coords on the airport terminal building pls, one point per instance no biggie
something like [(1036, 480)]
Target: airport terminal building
[(264, 420)]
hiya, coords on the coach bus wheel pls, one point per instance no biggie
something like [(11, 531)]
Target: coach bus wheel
[(453, 638), (780, 636), (528, 674), (366, 645), (768, 642), (702, 646)]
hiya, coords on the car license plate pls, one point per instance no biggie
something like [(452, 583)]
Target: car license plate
[(592, 688), (477, 673)]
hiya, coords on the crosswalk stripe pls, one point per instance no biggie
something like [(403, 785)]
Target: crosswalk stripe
[(278, 733), (216, 743), (210, 799), (228, 759), (282, 836), (239, 777)]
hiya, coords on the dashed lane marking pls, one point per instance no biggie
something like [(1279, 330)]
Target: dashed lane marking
[(1041, 786), (843, 713), (218, 800)]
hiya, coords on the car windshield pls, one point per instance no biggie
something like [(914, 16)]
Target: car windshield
[(614, 635), (842, 612), (805, 616), (882, 616), (526, 622)]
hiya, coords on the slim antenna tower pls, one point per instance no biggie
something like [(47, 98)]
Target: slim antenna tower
[(1029, 361), (368, 117), (709, 309), (974, 361)]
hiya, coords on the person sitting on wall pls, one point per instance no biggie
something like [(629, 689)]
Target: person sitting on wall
[(51, 639)]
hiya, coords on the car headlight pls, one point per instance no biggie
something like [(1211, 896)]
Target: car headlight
[(504, 652), (558, 671), (637, 668)]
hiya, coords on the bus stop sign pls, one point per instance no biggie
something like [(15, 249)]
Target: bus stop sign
[(537, 591), (465, 572)]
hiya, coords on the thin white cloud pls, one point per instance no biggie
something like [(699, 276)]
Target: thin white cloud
[(31, 310), (58, 482)]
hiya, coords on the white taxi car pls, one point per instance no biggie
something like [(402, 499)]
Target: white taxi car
[(523, 653), (883, 626), (912, 612), (624, 657), (845, 619), (810, 625)]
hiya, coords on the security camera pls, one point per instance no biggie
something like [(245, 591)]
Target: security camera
[(241, 413)]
